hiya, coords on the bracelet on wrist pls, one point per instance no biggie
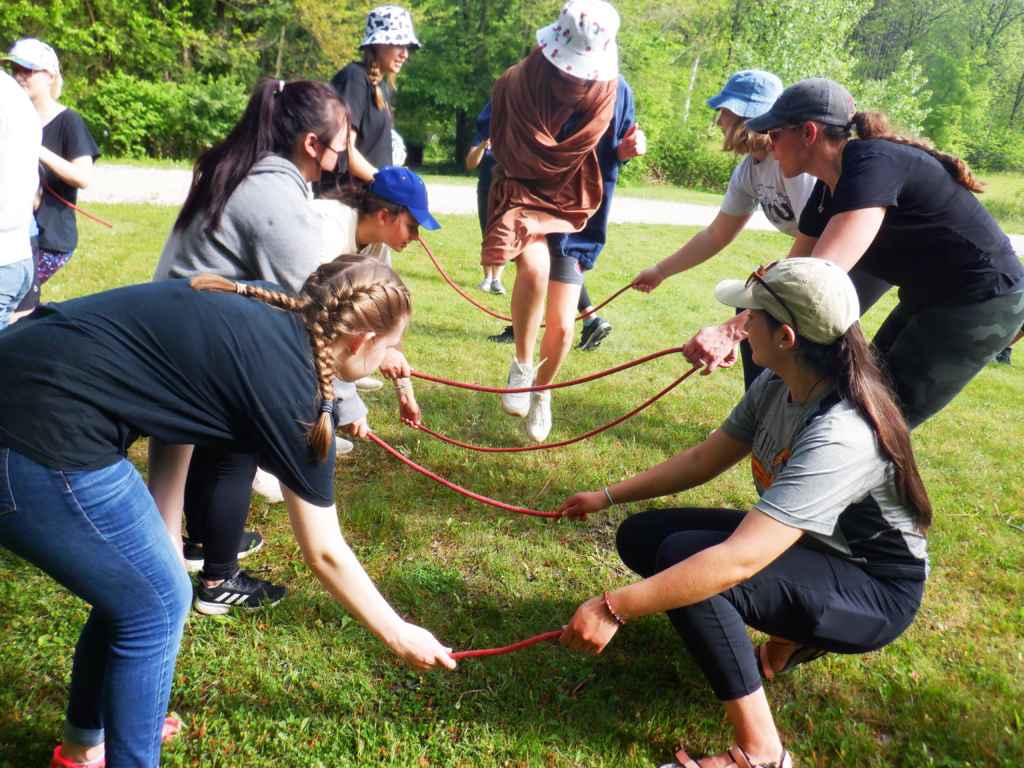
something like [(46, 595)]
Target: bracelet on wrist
[(608, 604), (610, 500), (399, 387)]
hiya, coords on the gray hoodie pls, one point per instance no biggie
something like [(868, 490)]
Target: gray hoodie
[(269, 232)]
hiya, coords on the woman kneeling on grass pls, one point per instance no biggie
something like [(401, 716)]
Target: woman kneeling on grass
[(831, 557), (183, 362)]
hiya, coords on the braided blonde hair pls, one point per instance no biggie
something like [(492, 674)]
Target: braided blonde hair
[(344, 298)]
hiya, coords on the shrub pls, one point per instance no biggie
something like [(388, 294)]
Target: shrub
[(131, 117), (685, 156)]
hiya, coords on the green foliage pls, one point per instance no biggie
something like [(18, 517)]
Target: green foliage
[(901, 95), (685, 155), (132, 117)]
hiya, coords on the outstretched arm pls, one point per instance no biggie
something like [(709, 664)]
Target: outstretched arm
[(701, 247), (688, 469), (336, 567)]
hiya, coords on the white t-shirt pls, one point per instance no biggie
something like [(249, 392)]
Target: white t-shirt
[(756, 183), (338, 232), (21, 135)]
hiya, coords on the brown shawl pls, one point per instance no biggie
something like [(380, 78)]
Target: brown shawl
[(541, 185)]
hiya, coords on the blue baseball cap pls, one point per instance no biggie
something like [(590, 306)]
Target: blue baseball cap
[(402, 186), (748, 93)]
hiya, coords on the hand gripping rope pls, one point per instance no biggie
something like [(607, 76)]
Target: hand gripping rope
[(502, 317), (619, 420)]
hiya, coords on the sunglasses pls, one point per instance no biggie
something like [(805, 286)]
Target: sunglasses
[(772, 131), (758, 276)]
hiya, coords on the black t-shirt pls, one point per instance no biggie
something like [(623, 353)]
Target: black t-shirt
[(81, 380), (936, 242), (372, 124), (66, 136)]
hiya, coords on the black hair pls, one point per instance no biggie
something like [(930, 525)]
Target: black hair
[(275, 119)]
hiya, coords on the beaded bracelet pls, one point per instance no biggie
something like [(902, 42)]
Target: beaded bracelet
[(611, 610)]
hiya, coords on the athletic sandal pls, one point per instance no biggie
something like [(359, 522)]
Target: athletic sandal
[(740, 759), (171, 728), (801, 655)]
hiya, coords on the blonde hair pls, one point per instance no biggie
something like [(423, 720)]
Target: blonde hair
[(742, 141), (344, 298)]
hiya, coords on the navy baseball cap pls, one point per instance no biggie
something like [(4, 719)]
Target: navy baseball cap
[(748, 93), (402, 186)]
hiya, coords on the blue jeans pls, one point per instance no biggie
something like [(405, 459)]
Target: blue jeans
[(15, 280), (99, 534)]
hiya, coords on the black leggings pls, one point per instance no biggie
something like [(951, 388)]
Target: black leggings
[(218, 492), (584, 301), (805, 595)]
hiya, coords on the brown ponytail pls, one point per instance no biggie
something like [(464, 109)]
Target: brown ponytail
[(375, 75), (344, 298), (875, 125)]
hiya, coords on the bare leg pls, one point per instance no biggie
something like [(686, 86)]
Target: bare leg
[(558, 334), (168, 468), (532, 267), (754, 727), (76, 753)]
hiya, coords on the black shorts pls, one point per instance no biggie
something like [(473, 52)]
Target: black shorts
[(564, 269)]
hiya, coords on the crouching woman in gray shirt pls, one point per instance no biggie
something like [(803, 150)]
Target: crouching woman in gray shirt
[(831, 558)]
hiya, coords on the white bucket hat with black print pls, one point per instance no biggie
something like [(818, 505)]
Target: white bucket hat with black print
[(582, 42), (390, 25)]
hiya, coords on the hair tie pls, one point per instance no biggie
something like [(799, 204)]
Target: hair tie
[(241, 288), (326, 406)]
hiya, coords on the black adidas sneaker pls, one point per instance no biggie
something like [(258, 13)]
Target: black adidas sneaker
[(240, 591)]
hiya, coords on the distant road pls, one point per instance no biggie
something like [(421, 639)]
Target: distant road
[(125, 184)]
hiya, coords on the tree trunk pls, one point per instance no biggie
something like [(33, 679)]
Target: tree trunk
[(463, 135), (1018, 98), (689, 93), (280, 55)]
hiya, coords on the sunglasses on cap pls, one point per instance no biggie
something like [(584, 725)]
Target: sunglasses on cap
[(758, 276)]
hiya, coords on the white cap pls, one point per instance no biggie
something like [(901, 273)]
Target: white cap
[(817, 298), (582, 42), (34, 54)]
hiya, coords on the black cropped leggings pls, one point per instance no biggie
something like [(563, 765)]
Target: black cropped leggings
[(218, 492), (807, 596)]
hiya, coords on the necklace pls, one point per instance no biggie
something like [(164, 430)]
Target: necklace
[(821, 205), (811, 390)]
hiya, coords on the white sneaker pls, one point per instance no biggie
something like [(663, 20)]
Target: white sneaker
[(366, 384), (497, 287), (341, 445), (267, 486), (538, 421), (485, 285), (517, 403)]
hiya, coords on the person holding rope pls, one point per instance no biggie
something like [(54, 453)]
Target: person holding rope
[(66, 160), (248, 217), (576, 253), (481, 157), (368, 89), (904, 213), (546, 184), (185, 362), (831, 558)]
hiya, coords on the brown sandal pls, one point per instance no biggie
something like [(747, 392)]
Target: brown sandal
[(801, 655), (739, 758)]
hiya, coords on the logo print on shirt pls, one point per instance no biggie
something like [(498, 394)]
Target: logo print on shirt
[(762, 476)]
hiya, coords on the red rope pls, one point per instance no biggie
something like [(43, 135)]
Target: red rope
[(542, 387), (454, 487), (619, 420), (502, 317), (75, 207), (508, 648)]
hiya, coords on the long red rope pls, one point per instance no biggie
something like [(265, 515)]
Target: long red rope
[(542, 387), (508, 648), (619, 420), (502, 317), (454, 487), (75, 207)]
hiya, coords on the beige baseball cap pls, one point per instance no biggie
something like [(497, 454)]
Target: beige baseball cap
[(813, 296)]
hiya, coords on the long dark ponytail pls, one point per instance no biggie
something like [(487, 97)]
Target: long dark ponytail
[(278, 115), (850, 364)]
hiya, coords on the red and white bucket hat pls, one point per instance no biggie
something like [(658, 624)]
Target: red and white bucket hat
[(582, 42)]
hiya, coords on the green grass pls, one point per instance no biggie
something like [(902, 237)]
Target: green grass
[(304, 684), (1004, 198), (148, 162)]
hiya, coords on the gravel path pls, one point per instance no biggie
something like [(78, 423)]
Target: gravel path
[(125, 184)]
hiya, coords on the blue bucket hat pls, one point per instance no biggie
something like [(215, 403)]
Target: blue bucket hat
[(748, 93), (402, 186)]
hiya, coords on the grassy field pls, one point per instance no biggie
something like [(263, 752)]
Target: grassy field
[(305, 685)]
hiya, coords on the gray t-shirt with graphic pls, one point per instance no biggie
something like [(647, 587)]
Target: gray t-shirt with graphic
[(755, 183), (817, 467)]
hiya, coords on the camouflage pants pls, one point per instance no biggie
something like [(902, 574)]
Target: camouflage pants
[(933, 353)]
